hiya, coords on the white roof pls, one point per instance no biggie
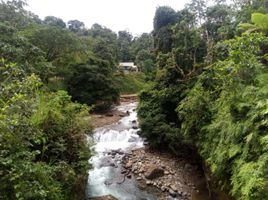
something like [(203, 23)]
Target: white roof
[(127, 64)]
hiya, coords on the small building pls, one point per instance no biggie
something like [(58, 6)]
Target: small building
[(128, 67)]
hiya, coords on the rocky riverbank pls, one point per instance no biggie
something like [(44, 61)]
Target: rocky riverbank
[(172, 177), (159, 173)]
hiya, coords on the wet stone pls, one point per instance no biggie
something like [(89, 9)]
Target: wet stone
[(153, 172), (148, 182), (172, 193), (166, 173), (173, 187)]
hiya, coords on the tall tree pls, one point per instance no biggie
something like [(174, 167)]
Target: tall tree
[(75, 25), (164, 16), (198, 8), (54, 21), (124, 46)]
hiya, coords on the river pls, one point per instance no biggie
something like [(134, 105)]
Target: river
[(112, 142)]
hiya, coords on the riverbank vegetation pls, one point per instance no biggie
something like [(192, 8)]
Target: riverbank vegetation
[(210, 90), (43, 147), (52, 75), (132, 83), (203, 76)]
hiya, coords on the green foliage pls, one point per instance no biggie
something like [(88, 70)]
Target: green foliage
[(75, 25), (105, 43), (219, 22), (164, 16), (17, 48), (225, 116), (14, 12), (175, 62), (43, 146), (219, 110), (60, 47), (131, 83), (124, 46), (54, 21), (192, 50), (260, 24), (244, 9), (146, 62), (53, 52), (155, 120), (93, 83)]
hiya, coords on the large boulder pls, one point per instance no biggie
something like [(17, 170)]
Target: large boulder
[(107, 197), (153, 172)]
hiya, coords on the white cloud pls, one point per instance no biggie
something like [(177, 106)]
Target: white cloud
[(133, 15)]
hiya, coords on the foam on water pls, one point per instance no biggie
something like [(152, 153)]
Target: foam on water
[(105, 179)]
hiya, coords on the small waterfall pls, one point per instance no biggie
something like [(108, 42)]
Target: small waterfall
[(105, 177)]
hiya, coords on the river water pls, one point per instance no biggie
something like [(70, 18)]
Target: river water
[(112, 142)]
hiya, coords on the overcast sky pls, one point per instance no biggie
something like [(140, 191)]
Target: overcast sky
[(135, 16)]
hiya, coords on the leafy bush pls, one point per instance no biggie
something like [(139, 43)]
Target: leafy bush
[(43, 147), (92, 83), (225, 116), (131, 83)]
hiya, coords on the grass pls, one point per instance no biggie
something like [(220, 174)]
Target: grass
[(131, 83)]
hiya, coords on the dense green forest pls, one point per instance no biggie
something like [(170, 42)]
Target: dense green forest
[(210, 91), (203, 76), (52, 75)]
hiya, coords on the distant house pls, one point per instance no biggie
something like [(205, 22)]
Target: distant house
[(128, 67)]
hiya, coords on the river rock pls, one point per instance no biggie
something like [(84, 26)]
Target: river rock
[(108, 182), (184, 194), (173, 187), (145, 143), (107, 197), (117, 151), (166, 172), (112, 164), (163, 189), (153, 172), (135, 126), (107, 162), (172, 193), (133, 138), (128, 164), (148, 182)]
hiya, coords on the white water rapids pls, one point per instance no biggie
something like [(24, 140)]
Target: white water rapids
[(105, 178)]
